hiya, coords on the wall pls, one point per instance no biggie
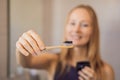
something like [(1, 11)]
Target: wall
[(47, 17), (3, 38)]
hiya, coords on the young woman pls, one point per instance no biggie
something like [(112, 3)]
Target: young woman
[(82, 29)]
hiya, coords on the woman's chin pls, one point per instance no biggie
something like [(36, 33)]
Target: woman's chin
[(78, 44)]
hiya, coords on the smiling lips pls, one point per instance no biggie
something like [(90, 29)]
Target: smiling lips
[(76, 37)]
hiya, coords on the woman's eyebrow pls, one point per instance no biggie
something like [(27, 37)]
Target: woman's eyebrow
[(85, 21), (72, 20)]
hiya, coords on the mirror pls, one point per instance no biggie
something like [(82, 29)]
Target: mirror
[(47, 18)]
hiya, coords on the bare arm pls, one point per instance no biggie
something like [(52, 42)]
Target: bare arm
[(43, 61), (28, 47)]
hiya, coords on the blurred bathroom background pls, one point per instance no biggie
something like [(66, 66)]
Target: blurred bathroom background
[(47, 18)]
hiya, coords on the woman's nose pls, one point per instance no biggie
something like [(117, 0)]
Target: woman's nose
[(77, 28)]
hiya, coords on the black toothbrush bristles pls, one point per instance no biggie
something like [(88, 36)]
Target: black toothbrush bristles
[(68, 43)]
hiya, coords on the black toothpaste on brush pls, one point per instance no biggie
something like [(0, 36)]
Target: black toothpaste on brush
[(67, 43)]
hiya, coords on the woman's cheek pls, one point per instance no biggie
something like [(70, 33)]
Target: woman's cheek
[(87, 38)]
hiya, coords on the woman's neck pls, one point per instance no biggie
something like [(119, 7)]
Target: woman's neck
[(79, 54), (79, 51)]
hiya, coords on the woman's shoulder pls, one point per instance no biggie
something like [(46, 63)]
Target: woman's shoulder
[(107, 67), (108, 70)]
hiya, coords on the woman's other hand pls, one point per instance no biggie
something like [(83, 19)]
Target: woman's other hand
[(87, 74), (30, 43)]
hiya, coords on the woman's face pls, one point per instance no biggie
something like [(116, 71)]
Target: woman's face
[(79, 28)]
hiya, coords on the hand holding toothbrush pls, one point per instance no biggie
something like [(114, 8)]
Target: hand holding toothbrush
[(31, 43)]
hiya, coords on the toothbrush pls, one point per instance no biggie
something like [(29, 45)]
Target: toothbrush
[(66, 44)]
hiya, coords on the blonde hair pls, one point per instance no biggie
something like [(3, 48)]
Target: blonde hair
[(93, 45)]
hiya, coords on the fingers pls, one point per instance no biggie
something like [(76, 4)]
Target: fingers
[(21, 49), (26, 45), (87, 74), (37, 39), (30, 42), (88, 71), (80, 78)]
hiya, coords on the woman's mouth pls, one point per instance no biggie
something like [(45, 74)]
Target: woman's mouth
[(76, 37)]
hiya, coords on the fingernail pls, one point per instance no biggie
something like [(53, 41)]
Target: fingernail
[(42, 48), (26, 54)]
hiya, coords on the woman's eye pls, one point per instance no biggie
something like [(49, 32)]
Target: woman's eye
[(72, 23), (84, 25)]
